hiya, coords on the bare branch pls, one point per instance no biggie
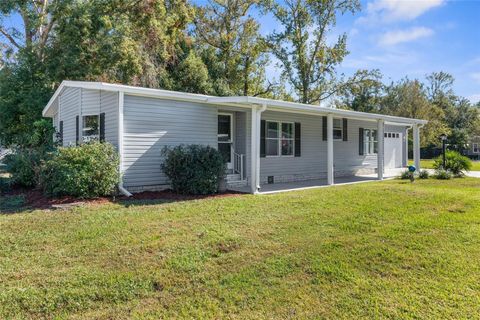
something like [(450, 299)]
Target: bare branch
[(10, 38)]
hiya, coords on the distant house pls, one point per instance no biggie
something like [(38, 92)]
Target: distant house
[(263, 140), (473, 150)]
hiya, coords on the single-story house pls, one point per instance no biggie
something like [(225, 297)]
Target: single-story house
[(263, 140)]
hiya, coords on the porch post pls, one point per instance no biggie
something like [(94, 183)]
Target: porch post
[(253, 150), (380, 148), (330, 173), (405, 156), (416, 146)]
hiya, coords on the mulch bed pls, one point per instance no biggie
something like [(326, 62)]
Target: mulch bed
[(35, 199)]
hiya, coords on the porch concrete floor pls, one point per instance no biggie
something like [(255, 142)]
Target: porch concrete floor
[(319, 183)]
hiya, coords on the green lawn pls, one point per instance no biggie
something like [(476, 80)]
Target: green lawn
[(388, 249), (428, 164)]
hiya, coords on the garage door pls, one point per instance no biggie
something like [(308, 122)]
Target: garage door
[(393, 149)]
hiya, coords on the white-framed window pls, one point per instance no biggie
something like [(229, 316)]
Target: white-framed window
[(279, 139), (90, 128), (370, 141), (337, 129), (475, 148)]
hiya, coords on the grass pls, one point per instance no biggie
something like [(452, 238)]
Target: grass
[(428, 164), (390, 249)]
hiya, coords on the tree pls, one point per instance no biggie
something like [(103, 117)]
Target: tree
[(233, 48), (408, 98), (38, 20), (309, 62), (363, 95)]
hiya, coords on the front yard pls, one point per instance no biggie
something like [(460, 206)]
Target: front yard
[(388, 249)]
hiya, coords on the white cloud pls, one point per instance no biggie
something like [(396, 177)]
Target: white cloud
[(474, 98), (400, 36), (475, 76), (388, 11)]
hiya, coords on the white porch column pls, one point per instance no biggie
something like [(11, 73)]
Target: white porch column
[(253, 150), (330, 173), (416, 146), (380, 148), (405, 156)]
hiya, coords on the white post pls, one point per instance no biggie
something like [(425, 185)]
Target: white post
[(257, 144), (405, 156), (416, 146), (380, 148), (253, 151), (330, 173)]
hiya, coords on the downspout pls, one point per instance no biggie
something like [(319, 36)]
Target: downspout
[(121, 96)]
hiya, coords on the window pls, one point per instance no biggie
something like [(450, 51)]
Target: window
[(337, 129), (370, 141), (279, 139), (90, 128), (475, 148)]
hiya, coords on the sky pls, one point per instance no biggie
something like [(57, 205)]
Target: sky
[(411, 38), (405, 38)]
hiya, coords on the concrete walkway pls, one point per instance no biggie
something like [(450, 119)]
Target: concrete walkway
[(339, 181), (318, 183)]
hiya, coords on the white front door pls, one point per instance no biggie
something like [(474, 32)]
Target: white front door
[(225, 137)]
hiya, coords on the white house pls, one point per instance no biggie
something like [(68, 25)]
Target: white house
[(264, 140)]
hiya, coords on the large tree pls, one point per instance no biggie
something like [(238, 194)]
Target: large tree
[(408, 98), (232, 46), (309, 62)]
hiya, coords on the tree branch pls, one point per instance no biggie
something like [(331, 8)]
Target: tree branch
[(10, 38)]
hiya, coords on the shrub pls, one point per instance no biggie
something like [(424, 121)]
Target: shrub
[(443, 174), (455, 163), (86, 171), (24, 166), (193, 169), (406, 175), (423, 174)]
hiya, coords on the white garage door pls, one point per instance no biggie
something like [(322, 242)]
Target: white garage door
[(393, 149)]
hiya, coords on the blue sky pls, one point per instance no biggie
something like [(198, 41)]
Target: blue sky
[(412, 38), (406, 38)]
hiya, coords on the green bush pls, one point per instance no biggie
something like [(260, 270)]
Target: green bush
[(86, 171), (24, 166), (423, 174), (193, 169), (443, 174), (406, 175), (455, 163)]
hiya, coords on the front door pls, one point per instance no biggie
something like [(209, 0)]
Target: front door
[(225, 138)]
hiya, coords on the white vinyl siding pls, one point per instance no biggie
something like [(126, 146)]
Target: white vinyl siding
[(84, 102), (151, 124), (69, 105), (313, 159)]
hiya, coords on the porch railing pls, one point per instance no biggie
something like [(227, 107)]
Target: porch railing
[(238, 164)]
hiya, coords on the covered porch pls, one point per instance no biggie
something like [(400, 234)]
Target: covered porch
[(318, 183), (322, 156)]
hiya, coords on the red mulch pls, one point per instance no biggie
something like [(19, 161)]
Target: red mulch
[(35, 199)]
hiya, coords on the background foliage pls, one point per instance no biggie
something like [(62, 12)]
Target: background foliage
[(214, 48)]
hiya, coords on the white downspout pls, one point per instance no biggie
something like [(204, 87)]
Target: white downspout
[(121, 98)]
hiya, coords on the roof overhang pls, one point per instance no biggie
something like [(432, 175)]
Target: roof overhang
[(295, 107), (238, 101)]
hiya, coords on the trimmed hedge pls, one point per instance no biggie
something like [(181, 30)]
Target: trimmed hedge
[(86, 171), (193, 169)]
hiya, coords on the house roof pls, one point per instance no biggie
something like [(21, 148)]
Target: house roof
[(239, 101)]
